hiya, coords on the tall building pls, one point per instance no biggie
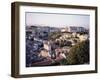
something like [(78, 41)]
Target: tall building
[(76, 29)]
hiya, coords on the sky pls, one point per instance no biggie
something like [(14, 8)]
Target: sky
[(57, 20)]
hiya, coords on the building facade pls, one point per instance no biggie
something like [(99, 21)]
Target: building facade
[(76, 29)]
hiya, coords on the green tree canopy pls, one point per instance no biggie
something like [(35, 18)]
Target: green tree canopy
[(79, 54)]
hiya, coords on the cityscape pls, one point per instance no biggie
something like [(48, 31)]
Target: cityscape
[(56, 39), (56, 46)]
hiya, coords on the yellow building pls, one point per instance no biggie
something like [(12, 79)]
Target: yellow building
[(83, 37), (44, 53)]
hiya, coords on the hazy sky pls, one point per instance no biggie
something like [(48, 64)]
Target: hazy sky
[(57, 20)]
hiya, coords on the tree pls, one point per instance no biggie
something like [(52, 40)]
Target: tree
[(79, 54), (54, 35)]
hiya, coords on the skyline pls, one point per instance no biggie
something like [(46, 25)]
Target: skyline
[(57, 20)]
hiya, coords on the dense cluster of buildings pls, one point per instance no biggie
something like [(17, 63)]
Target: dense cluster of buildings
[(39, 47)]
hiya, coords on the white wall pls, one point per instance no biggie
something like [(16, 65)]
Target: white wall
[(5, 40)]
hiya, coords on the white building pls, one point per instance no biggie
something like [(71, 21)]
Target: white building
[(76, 29), (47, 47), (83, 37), (64, 29)]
